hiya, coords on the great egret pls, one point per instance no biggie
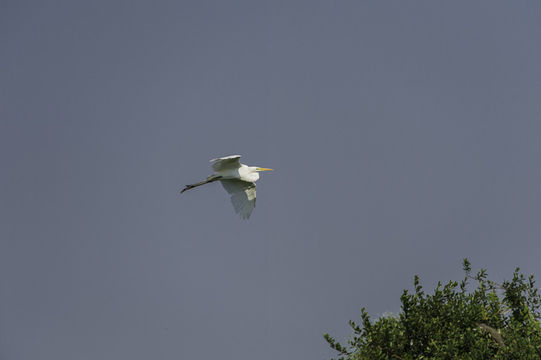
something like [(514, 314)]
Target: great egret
[(237, 179)]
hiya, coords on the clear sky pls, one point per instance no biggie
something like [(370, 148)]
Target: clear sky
[(405, 136)]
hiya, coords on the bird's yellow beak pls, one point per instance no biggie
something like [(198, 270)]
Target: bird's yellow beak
[(263, 169)]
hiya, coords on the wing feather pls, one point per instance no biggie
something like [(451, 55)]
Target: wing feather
[(227, 162), (243, 195)]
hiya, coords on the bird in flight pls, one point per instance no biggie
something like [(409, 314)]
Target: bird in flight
[(237, 179)]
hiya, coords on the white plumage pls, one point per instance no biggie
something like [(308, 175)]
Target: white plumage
[(237, 179)]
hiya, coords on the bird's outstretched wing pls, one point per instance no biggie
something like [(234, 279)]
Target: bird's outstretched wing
[(242, 196), (228, 162)]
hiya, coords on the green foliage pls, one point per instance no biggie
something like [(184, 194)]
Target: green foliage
[(493, 321)]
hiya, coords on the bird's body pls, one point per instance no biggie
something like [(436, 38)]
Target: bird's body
[(237, 179), (244, 173)]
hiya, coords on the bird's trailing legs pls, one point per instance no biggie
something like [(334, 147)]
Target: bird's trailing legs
[(210, 179)]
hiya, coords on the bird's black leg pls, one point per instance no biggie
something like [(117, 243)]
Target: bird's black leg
[(210, 179)]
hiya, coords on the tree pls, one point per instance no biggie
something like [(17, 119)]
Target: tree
[(492, 321)]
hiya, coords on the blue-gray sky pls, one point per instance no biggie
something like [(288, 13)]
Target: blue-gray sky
[(405, 136)]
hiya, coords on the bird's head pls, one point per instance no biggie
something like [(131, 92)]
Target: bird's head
[(253, 174)]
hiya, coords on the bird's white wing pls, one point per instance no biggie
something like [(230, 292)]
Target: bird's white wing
[(227, 162), (242, 196)]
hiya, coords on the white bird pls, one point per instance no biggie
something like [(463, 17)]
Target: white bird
[(237, 179)]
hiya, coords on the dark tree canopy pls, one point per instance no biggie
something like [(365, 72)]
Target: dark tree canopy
[(492, 321)]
